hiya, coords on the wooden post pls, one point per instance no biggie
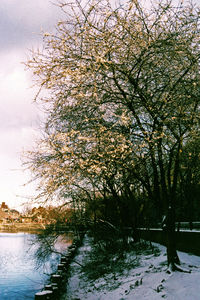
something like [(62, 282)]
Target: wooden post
[(71, 252), (63, 259), (54, 288), (48, 287), (56, 278), (44, 295), (61, 267)]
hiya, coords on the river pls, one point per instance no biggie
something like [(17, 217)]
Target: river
[(20, 276)]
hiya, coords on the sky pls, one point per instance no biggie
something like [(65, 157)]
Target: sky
[(21, 24)]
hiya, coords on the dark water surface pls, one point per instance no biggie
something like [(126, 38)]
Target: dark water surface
[(19, 277)]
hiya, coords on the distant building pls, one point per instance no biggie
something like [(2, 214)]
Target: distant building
[(8, 215), (4, 206)]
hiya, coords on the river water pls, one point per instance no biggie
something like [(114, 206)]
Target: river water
[(20, 276)]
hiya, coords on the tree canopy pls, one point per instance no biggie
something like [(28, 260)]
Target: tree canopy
[(123, 101)]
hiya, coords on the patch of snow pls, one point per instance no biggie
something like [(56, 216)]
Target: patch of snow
[(147, 281)]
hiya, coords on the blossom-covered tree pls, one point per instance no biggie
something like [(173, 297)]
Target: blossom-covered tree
[(123, 99)]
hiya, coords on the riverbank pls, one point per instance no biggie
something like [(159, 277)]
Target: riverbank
[(22, 227), (147, 279)]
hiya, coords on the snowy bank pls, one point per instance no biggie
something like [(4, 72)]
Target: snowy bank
[(148, 279)]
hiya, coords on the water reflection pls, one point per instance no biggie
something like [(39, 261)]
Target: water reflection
[(19, 278)]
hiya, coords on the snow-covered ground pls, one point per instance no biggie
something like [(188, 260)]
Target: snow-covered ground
[(149, 280)]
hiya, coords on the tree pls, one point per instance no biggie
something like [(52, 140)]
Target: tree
[(188, 202), (123, 100)]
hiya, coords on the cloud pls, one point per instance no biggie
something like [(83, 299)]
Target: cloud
[(21, 21), (16, 97), (19, 119), (12, 175)]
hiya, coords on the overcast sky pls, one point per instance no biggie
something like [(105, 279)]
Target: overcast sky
[(21, 22)]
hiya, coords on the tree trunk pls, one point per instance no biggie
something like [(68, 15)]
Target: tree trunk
[(172, 256)]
